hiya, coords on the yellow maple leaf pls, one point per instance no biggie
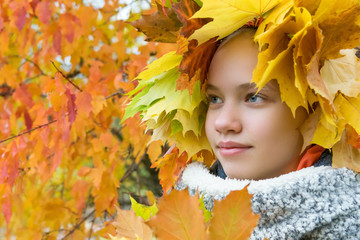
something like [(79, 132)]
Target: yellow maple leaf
[(326, 135), (142, 210), (348, 108), (300, 40), (345, 155), (185, 142), (180, 118), (98, 103), (228, 16), (328, 109), (189, 123), (308, 128), (276, 16), (165, 95), (172, 114), (326, 124), (191, 143), (161, 95), (342, 74), (161, 129), (310, 5), (54, 212), (277, 60), (129, 226), (160, 65), (340, 24)]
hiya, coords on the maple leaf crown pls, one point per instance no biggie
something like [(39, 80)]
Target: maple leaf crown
[(308, 46)]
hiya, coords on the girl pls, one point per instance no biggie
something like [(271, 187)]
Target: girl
[(253, 134), (257, 141)]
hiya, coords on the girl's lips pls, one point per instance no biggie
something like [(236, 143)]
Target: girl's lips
[(232, 148)]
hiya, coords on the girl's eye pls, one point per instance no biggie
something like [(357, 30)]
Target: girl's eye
[(214, 99), (253, 98)]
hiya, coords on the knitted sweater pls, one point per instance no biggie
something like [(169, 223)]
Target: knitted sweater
[(312, 203)]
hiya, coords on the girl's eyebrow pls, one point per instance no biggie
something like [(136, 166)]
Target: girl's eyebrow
[(210, 87), (244, 86), (241, 87)]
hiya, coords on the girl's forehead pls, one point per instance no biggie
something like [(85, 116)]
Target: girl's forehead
[(238, 43), (232, 67), (234, 51), (236, 59), (270, 87)]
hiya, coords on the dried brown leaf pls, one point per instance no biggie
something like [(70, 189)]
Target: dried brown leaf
[(184, 10), (159, 27), (197, 57)]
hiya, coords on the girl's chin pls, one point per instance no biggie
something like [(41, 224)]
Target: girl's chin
[(238, 171)]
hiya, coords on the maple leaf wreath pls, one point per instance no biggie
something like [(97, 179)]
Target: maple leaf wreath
[(308, 46)]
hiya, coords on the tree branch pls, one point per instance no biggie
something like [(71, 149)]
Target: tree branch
[(28, 131), (78, 224), (33, 77), (30, 61), (73, 74), (118, 93), (91, 228), (64, 76), (134, 166), (46, 234)]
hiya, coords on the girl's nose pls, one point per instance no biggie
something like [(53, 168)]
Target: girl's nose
[(228, 120)]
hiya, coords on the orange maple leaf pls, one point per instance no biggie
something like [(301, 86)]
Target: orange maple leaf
[(179, 217), (232, 217)]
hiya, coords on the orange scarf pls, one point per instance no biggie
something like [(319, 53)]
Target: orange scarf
[(310, 156)]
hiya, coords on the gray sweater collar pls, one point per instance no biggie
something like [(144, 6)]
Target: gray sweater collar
[(312, 203)]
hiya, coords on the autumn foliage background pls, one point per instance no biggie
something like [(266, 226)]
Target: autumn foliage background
[(70, 155), (66, 160)]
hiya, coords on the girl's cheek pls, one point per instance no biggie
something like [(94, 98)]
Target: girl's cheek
[(260, 130), (259, 124), (210, 124), (266, 125)]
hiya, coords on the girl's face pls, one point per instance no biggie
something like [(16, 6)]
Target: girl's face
[(254, 136)]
